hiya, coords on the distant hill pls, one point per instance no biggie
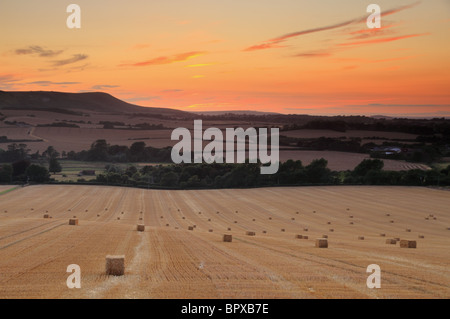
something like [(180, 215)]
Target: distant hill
[(381, 117), (77, 102), (245, 112)]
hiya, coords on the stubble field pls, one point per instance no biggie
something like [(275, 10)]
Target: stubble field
[(169, 261)]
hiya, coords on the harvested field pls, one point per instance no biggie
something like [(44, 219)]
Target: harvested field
[(78, 139), (172, 262), (341, 161), (347, 134)]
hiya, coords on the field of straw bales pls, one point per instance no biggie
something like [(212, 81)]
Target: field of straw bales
[(167, 260)]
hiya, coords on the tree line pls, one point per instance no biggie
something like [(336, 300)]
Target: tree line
[(187, 176), (22, 167)]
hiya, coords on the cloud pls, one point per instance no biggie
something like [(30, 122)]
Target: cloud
[(313, 55), (168, 59), (47, 83), (7, 81), (395, 10), (104, 86), (275, 42), (402, 105), (37, 50), (267, 45), (209, 105), (7, 78), (75, 58), (383, 40), (142, 98), (368, 33)]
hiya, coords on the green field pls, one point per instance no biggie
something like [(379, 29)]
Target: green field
[(9, 190)]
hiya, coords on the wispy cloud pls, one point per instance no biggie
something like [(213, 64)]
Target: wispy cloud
[(142, 98), (39, 51), (47, 83), (168, 59), (209, 105), (382, 40), (74, 59), (104, 86), (275, 42), (7, 81), (313, 54), (400, 105), (7, 78)]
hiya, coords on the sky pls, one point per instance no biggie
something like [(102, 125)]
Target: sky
[(286, 56)]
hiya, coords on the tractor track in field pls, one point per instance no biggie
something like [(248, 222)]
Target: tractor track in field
[(327, 258), (32, 236)]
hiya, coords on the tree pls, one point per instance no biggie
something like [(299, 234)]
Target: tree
[(38, 174), (6, 172), (54, 166), (317, 171), (19, 167), (169, 179), (367, 165), (131, 170), (137, 150), (50, 153), (98, 151)]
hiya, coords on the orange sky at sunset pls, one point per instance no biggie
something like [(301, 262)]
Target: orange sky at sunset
[(286, 56)]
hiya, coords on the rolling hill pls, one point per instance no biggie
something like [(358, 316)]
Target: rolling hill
[(78, 102)]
